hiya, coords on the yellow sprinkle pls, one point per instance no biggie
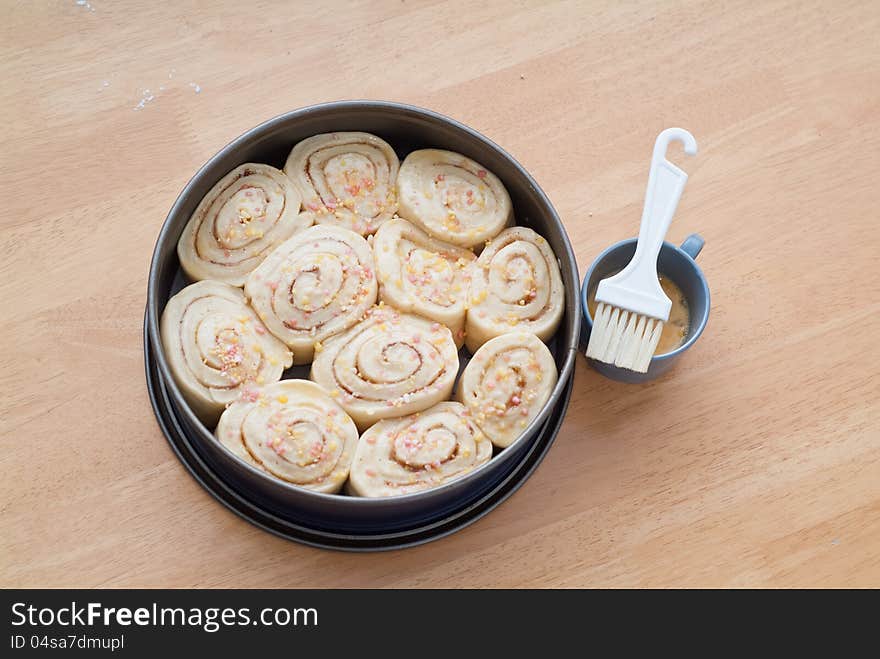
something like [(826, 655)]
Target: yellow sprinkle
[(334, 393), (282, 399), (260, 379), (318, 346)]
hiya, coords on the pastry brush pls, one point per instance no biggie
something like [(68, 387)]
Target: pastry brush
[(631, 305)]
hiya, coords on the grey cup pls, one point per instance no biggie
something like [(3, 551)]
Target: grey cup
[(677, 263)]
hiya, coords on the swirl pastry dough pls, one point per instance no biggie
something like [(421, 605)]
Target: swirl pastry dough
[(452, 197), (293, 430), (506, 384), (422, 275), (388, 365), (241, 219), (417, 452), (217, 347), (346, 179), (516, 286), (318, 283)]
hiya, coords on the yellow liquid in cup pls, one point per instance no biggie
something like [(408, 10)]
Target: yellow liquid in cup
[(675, 330)]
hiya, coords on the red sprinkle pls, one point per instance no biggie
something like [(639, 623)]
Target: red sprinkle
[(481, 173)]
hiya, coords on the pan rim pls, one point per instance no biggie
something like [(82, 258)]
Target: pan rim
[(567, 261)]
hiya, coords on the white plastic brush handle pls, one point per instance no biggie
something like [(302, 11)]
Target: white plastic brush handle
[(637, 287)]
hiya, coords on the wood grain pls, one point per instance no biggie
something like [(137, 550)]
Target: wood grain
[(755, 462)]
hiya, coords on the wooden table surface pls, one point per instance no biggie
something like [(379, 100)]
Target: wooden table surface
[(755, 462)]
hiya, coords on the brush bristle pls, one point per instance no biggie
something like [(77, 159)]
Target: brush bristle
[(624, 338)]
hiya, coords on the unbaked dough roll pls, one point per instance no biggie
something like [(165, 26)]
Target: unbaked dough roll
[(217, 347), (241, 219), (346, 179), (516, 286), (293, 430), (452, 197), (417, 452), (318, 283), (506, 384), (388, 365), (422, 275)]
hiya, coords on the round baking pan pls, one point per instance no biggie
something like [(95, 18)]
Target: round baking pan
[(247, 504), (406, 128)]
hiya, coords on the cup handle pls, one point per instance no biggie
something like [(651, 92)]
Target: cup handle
[(692, 245)]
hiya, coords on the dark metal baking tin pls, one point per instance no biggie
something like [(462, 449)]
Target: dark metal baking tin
[(339, 521)]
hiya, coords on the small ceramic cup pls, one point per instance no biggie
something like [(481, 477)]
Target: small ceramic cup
[(677, 263)]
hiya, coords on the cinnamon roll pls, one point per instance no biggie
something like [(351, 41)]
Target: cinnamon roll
[(516, 286), (293, 430), (423, 275), (318, 283), (388, 365), (217, 347), (506, 384), (346, 179), (452, 197), (241, 219), (417, 452)]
